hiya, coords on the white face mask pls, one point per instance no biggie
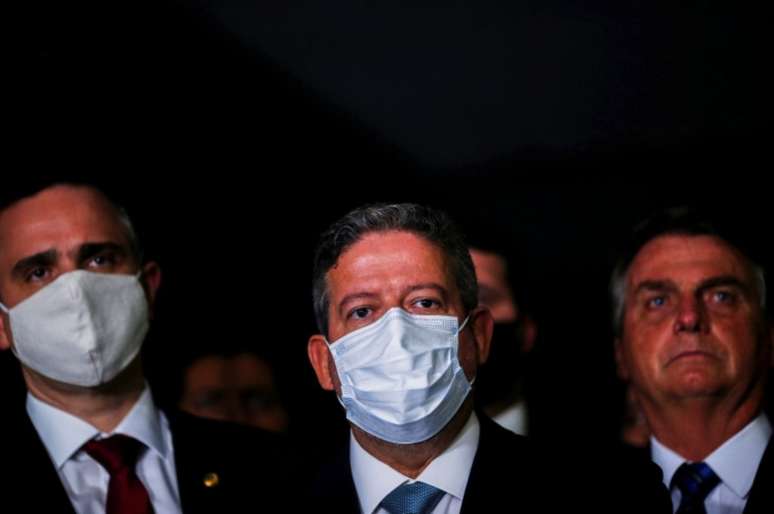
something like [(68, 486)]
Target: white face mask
[(83, 328), (401, 379)]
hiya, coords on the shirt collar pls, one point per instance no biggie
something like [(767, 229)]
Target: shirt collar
[(64, 434), (374, 479), (515, 418), (735, 461), (666, 459)]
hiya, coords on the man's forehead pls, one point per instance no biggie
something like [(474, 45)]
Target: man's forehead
[(394, 259), (687, 257), (59, 216)]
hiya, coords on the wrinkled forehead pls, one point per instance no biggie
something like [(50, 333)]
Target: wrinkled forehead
[(689, 258), (388, 260), (59, 218)]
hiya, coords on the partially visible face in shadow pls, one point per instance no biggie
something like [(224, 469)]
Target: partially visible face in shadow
[(239, 388)]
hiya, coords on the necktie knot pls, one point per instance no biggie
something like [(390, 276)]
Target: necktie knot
[(115, 453), (695, 482), (414, 498), (118, 454)]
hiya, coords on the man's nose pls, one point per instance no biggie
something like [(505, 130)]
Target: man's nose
[(690, 316)]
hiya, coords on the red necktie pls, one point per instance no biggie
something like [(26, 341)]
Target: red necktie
[(118, 455)]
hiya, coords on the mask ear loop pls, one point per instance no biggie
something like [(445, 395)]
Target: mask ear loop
[(459, 330), (8, 312), (341, 402), (465, 322)]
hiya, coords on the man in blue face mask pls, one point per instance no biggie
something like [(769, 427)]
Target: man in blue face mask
[(401, 338), (76, 301)]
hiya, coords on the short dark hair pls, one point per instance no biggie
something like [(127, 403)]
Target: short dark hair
[(431, 224), (681, 221)]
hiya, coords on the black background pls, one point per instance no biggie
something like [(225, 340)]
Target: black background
[(235, 131)]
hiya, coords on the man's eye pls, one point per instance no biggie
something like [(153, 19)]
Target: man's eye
[(723, 297), (102, 260), (426, 303), (360, 313), (657, 301), (37, 274)]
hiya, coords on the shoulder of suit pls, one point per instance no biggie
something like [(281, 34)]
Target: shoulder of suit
[(504, 438), (187, 428)]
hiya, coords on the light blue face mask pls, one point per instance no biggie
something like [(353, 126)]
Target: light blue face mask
[(401, 379)]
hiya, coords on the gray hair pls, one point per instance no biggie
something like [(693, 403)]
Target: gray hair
[(433, 225), (680, 221)]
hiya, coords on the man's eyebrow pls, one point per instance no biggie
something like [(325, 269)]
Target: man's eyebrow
[(666, 285), (41, 259), (724, 280), (88, 250), (654, 285), (355, 296), (429, 285)]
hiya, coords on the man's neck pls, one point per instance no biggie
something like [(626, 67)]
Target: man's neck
[(103, 407), (694, 429), (411, 459)]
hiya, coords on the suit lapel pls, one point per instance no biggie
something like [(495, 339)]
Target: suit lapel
[(199, 481), (761, 499), (475, 490), (334, 488), (32, 480), (497, 475)]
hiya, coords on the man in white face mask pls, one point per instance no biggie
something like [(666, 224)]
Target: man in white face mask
[(401, 339), (75, 304)]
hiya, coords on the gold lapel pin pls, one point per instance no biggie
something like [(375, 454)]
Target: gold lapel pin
[(211, 480)]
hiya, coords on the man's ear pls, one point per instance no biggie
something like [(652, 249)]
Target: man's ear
[(320, 358), (620, 362), (481, 325), (5, 341), (151, 280)]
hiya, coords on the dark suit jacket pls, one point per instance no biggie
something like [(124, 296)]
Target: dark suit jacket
[(248, 463), (761, 499), (510, 475)]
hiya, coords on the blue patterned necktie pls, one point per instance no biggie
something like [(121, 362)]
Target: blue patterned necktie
[(695, 482), (416, 498)]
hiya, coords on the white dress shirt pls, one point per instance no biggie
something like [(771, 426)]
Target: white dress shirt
[(514, 418), (374, 480), (736, 461), (84, 479)]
